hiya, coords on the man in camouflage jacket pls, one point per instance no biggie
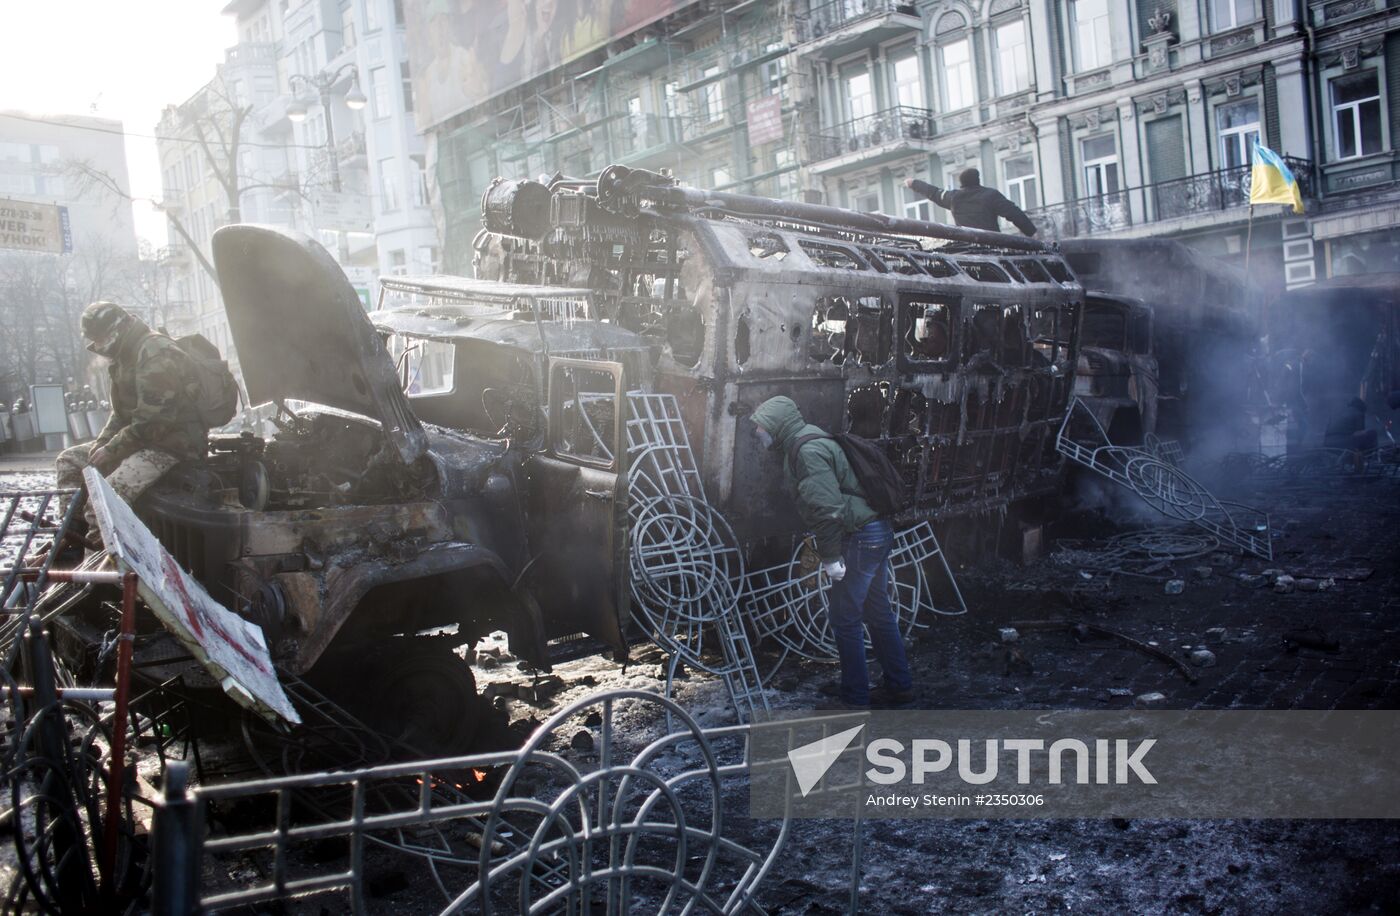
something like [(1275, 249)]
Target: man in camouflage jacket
[(155, 422)]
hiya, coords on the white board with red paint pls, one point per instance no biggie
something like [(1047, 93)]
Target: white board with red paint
[(231, 648)]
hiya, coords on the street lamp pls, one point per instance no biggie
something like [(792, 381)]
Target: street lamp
[(321, 84)]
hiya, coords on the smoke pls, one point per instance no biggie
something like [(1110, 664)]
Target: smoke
[(1089, 492)]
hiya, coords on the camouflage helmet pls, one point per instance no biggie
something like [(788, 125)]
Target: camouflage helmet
[(102, 319), (103, 324)]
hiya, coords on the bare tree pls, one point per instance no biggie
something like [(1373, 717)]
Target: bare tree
[(219, 123), (42, 297)]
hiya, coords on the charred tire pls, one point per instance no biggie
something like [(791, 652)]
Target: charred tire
[(417, 693)]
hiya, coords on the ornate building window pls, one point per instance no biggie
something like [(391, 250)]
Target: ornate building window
[(954, 61), (959, 89), (1093, 46), (1237, 126), (1230, 14), (1101, 175), (860, 95), (908, 80), (1013, 57), (1020, 181), (1356, 114)]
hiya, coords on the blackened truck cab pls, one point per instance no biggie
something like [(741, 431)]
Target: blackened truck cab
[(457, 458)]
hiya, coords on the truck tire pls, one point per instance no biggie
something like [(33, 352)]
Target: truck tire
[(416, 692)]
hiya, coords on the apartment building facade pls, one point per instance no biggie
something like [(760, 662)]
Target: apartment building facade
[(326, 145), (37, 152), (1124, 118)]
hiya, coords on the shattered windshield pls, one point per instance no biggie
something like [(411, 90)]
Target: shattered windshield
[(424, 366)]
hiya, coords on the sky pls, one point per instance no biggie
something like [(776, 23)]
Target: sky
[(120, 59)]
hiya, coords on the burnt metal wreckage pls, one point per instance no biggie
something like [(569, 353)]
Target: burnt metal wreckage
[(448, 460), (557, 449), (634, 819)]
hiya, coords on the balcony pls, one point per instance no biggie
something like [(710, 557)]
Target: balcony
[(646, 141), (250, 53), (885, 135), (831, 28), (1211, 198)]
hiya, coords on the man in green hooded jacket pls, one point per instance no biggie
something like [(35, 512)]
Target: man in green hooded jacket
[(155, 422), (854, 545)]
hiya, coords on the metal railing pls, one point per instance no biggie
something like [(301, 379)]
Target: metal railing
[(1220, 190), (822, 19), (635, 823), (1085, 216), (878, 129)]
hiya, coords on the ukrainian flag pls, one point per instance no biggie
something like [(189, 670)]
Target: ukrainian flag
[(1271, 181)]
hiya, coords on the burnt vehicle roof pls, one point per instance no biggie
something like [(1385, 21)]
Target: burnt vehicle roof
[(486, 292), (301, 331), (467, 321), (878, 264)]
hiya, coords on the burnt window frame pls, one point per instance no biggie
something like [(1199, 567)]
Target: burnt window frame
[(1023, 263), (972, 267), (885, 319), (880, 258), (1012, 270), (999, 352), (1052, 265), (807, 245), (903, 327), (777, 254), (1094, 306), (556, 412), (925, 259), (1068, 315)]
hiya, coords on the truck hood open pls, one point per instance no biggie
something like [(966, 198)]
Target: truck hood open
[(301, 331)]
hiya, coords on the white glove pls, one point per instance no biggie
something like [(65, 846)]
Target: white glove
[(835, 569)]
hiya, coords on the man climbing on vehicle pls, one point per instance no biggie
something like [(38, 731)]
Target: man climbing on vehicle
[(973, 205), (853, 542), (158, 415)]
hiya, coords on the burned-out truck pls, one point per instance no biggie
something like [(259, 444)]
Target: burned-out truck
[(455, 462), (952, 347)]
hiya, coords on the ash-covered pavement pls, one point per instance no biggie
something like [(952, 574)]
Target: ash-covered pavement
[(1271, 650), (1328, 530), (1334, 647)]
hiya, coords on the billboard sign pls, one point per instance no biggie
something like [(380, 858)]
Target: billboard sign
[(765, 120), (26, 226), (229, 647), (50, 413), (466, 51), (343, 211)]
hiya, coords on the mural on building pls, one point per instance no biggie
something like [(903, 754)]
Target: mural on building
[(468, 51)]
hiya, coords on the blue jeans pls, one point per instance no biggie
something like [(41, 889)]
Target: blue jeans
[(862, 598)]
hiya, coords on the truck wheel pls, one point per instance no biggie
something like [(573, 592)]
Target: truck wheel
[(427, 699), (418, 693)]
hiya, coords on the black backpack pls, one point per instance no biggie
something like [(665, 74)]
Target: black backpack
[(216, 392), (880, 482)]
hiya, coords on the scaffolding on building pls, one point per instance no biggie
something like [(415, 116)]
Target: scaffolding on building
[(679, 98)]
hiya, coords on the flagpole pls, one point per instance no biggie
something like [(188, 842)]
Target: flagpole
[(1248, 246)]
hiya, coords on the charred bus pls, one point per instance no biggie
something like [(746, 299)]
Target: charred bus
[(457, 458), (954, 348)]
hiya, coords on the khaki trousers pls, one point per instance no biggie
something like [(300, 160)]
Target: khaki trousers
[(134, 476)]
